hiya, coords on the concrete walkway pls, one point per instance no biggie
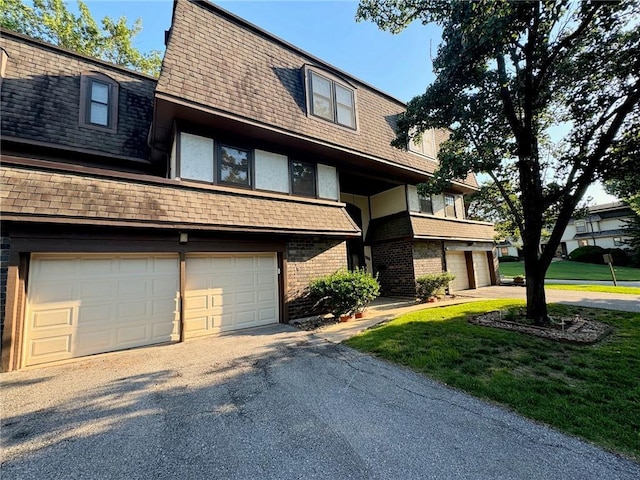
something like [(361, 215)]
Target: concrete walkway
[(608, 301), (386, 309), (380, 311)]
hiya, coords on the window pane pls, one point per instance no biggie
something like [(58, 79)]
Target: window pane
[(234, 165), (321, 86), (344, 96), (449, 206), (99, 114), (345, 116), (425, 204), (99, 92), (303, 179), (322, 107)]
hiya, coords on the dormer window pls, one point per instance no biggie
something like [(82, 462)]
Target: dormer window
[(98, 101), (331, 100), (425, 145)]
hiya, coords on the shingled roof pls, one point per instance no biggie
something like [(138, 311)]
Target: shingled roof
[(41, 99), (53, 196), (423, 227), (217, 60)]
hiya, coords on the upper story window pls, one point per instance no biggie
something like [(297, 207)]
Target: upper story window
[(618, 242), (581, 226), (426, 206), (425, 145), (205, 160), (331, 100), (449, 205), (98, 101), (303, 179), (233, 167)]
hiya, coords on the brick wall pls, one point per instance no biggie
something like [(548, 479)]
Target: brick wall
[(427, 258), (308, 259), (5, 247), (393, 261)]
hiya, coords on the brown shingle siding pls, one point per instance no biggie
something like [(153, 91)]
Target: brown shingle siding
[(87, 198), (431, 227), (252, 75), (41, 100)]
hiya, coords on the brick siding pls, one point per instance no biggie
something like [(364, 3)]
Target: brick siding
[(308, 259), (393, 261), (427, 258)]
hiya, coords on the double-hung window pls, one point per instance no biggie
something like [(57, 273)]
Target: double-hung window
[(426, 205), (303, 178), (98, 101), (581, 226), (233, 167), (449, 205), (331, 100)]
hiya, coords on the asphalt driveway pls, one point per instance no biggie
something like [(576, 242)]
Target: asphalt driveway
[(270, 403)]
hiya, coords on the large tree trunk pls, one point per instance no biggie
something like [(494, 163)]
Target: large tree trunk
[(535, 272)]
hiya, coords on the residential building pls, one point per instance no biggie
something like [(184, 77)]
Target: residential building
[(138, 211), (603, 226)]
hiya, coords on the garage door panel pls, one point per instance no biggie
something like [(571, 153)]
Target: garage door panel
[(54, 317), (457, 265), (239, 288), (102, 303), (48, 349), (136, 334), (481, 269), (244, 280), (99, 268)]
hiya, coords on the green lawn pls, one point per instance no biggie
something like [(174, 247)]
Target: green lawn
[(589, 391), (597, 288), (574, 271)]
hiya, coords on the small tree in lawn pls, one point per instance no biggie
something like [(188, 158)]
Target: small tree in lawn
[(536, 94)]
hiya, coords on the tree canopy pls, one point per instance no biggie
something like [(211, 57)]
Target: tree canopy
[(51, 21), (540, 95)]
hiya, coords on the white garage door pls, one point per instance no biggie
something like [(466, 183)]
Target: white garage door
[(481, 268), (457, 265), (84, 304), (229, 292)]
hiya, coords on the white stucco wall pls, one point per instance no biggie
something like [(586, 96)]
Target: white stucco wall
[(388, 202)]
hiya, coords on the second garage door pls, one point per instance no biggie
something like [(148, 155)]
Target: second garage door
[(457, 265), (481, 268), (229, 292)]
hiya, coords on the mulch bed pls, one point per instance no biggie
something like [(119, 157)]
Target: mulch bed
[(566, 329), (316, 322)]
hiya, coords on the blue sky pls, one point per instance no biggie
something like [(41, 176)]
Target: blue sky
[(396, 64)]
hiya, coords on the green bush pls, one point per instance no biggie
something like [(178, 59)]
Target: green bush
[(587, 254), (345, 292), (594, 253), (432, 285), (619, 256), (508, 258)]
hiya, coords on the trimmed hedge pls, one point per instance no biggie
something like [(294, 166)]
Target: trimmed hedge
[(432, 285), (508, 258), (345, 292), (594, 254)]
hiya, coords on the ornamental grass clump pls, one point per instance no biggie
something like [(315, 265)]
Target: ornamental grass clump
[(432, 285), (344, 292)]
